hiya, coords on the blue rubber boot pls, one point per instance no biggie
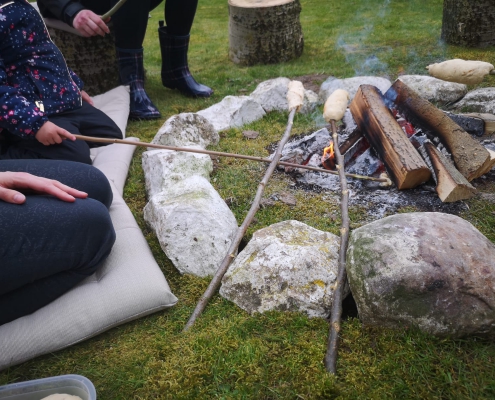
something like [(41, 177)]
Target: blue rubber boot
[(131, 72), (175, 70)]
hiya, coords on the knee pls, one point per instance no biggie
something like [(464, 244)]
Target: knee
[(95, 222)]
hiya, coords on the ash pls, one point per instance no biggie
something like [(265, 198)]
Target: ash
[(368, 195)]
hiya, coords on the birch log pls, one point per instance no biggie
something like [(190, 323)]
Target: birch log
[(264, 31)]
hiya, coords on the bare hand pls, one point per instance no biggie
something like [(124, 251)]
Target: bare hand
[(23, 180), (89, 24), (86, 97), (50, 133)]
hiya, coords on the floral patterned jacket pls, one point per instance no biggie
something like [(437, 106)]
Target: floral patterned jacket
[(35, 81)]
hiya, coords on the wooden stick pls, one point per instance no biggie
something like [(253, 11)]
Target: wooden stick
[(218, 153), (215, 282), (333, 338), (113, 10)]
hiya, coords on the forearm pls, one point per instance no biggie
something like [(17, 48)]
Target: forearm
[(64, 10)]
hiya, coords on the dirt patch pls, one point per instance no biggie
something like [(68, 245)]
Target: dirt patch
[(312, 82)]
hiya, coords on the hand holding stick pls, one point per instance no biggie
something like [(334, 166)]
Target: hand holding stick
[(215, 282), (334, 110)]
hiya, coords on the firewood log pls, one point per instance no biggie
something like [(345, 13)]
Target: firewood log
[(376, 122), (451, 185), (470, 157)]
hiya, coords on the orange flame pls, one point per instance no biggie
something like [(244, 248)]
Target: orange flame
[(328, 157)]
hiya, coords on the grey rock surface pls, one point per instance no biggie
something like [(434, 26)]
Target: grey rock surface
[(194, 225), (233, 112), (351, 85), (186, 129), (479, 100), (431, 270), (435, 90), (288, 266), (164, 168)]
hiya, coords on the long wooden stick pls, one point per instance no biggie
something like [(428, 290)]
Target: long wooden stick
[(219, 153), (333, 338), (113, 10), (215, 282)]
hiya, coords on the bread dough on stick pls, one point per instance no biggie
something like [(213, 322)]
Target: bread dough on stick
[(336, 105), (460, 71), (295, 95)]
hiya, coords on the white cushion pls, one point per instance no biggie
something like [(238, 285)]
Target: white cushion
[(129, 284), (115, 103)]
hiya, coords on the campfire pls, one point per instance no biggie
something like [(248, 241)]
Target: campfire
[(406, 136)]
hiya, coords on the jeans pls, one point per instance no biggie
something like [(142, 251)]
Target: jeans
[(47, 246)]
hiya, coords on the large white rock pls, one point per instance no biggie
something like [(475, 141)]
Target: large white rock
[(430, 270), (186, 129), (288, 266), (433, 89), (479, 100), (164, 168), (193, 224), (233, 112), (272, 96), (351, 85)]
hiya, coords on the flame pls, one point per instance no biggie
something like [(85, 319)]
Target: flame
[(328, 157)]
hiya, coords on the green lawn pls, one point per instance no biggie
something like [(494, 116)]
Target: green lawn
[(229, 354)]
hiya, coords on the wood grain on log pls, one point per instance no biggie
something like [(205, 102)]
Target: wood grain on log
[(264, 32), (376, 122), (451, 185), (470, 157)]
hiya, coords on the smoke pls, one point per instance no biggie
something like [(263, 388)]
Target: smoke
[(368, 58)]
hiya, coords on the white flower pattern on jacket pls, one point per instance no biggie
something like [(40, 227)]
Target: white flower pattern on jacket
[(32, 69)]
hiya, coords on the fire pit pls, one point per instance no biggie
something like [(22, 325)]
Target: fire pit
[(418, 145)]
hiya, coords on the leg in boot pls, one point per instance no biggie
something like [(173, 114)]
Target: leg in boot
[(175, 69), (131, 71)]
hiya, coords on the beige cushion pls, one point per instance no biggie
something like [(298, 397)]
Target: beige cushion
[(129, 284)]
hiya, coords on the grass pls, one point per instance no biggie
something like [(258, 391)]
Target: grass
[(230, 354)]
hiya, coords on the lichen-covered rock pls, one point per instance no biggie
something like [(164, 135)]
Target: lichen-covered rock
[(233, 112), (186, 129), (431, 270), (164, 168), (478, 100), (193, 224), (351, 85), (433, 89), (288, 266)]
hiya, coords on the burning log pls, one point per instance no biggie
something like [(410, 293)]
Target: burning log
[(451, 185), (379, 126), (470, 158)]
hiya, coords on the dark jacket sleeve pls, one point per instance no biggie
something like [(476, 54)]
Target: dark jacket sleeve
[(64, 10)]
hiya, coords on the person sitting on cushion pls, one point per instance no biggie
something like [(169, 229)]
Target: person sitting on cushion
[(55, 230), (42, 103), (129, 24)]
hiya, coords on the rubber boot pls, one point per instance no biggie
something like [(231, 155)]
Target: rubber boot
[(131, 72), (175, 70)]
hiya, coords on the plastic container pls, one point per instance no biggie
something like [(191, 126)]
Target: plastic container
[(75, 385)]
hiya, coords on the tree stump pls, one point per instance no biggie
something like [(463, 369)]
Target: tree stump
[(264, 31), (469, 23)]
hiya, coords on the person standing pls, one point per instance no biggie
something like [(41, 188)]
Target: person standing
[(129, 24)]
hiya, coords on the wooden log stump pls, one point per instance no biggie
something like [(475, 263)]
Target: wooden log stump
[(451, 185), (406, 167), (469, 23), (470, 157), (264, 31), (93, 59)]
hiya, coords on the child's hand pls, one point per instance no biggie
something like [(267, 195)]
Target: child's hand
[(52, 134), (86, 97)]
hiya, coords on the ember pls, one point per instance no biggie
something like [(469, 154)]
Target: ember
[(328, 157)]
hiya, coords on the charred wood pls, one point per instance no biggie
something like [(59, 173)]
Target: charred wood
[(470, 158), (376, 122)]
